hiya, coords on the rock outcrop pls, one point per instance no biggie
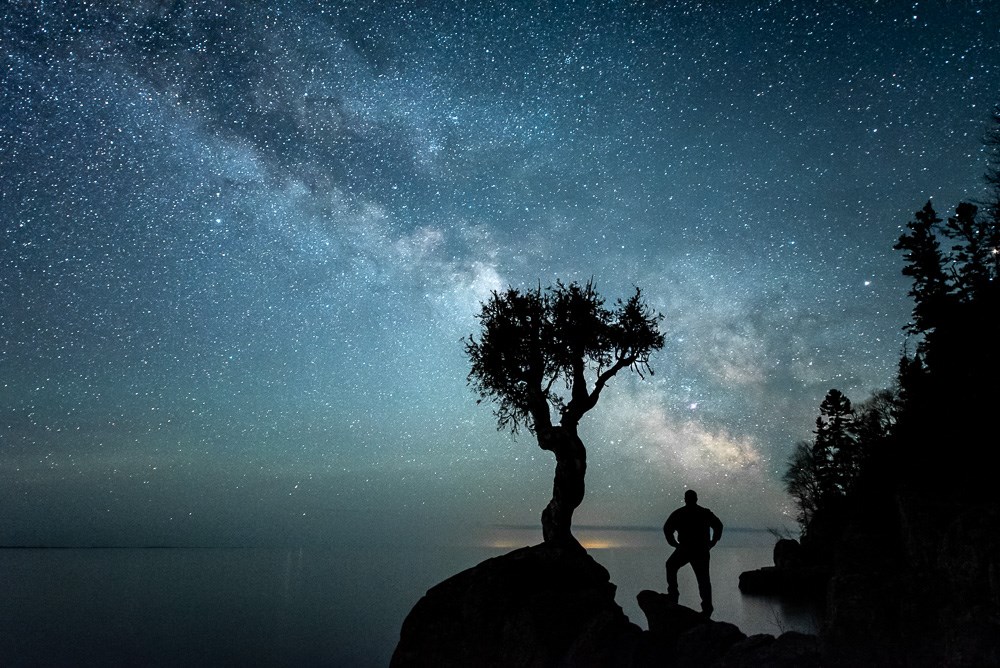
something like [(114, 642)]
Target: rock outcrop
[(548, 606), (679, 636), (791, 575), (536, 606)]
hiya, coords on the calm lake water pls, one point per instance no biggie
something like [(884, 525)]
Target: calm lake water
[(293, 607)]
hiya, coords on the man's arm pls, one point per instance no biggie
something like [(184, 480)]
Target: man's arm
[(669, 529), (716, 525)]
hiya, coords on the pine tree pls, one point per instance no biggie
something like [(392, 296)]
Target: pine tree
[(925, 263), (836, 445)]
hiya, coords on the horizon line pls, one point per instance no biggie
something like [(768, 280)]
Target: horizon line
[(622, 527), (639, 528)]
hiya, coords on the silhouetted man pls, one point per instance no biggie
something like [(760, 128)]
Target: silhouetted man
[(698, 530)]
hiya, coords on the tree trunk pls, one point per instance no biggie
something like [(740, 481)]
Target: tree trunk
[(567, 486)]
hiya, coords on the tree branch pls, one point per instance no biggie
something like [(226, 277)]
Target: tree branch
[(584, 401), (603, 379)]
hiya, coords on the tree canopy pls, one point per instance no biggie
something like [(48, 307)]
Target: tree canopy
[(537, 347)]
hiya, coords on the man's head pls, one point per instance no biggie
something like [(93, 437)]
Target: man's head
[(690, 497)]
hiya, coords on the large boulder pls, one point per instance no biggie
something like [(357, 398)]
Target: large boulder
[(803, 582), (791, 575), (667, 620), (538, 606), (680, 636), (787, 553)]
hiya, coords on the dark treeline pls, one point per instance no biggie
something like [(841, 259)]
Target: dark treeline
[(897, 496)]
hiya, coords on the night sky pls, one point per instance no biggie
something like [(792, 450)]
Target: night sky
[(241, 245)]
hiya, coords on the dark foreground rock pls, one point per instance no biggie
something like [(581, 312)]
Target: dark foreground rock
[(789, 650), (536, 606), (917, 585), (679, 636), (546, 606)]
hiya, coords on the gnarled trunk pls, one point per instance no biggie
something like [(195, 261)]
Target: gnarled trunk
[(568, 484)]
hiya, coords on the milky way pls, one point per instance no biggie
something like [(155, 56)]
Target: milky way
[(241, 245)]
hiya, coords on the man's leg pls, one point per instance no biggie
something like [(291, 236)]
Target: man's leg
[(700, 564), (674, 563)]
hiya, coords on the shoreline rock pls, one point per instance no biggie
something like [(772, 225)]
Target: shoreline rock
[(547, 605), (536, 606), (807, 583), (791, 575)]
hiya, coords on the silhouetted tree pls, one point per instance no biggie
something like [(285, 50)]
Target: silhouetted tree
[(919, 488), (947, 387), (557, 348), (926, 265), (992, 175), (874, 421), (821, 473), (836, 444), (972, 254), (955, 292), (801, 480)]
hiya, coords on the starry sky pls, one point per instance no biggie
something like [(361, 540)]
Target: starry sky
[(241, 243)]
